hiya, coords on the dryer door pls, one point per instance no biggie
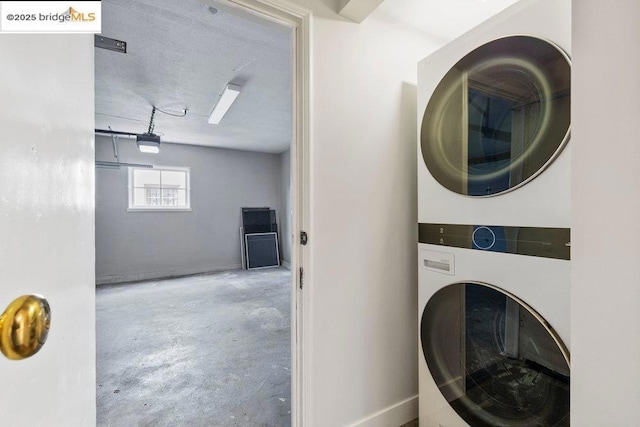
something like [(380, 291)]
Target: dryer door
[(499, 117), (495, 360)]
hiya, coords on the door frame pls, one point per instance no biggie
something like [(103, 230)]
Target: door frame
[(300, 20)]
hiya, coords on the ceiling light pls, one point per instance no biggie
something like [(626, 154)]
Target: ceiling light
[(148, 143), (149, 149), (229, 95)]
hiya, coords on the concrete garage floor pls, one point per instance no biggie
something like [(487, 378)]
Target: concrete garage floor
[(206, 350)]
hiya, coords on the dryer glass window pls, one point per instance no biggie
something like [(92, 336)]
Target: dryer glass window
[(498, 117), (495, 360)]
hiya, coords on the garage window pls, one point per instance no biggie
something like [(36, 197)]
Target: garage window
[(161, 188)]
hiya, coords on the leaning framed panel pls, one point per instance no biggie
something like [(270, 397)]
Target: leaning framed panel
[(262, 250)]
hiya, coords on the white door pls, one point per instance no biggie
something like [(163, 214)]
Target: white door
[(47, 222)]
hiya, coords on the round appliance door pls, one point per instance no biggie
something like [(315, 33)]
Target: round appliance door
[(499, 117), (494, 359)]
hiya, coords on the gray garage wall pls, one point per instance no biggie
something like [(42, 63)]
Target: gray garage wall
[(147, 245)]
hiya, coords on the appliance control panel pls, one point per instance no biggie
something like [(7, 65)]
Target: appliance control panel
[(532, 241)]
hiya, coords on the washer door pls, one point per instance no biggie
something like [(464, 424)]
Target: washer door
[(499, 117), (495, 360)]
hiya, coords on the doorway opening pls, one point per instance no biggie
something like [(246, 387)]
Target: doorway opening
[(169, 248)]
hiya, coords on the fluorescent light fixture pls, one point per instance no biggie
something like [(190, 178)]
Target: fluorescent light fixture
[(229, 95), (148, 143)]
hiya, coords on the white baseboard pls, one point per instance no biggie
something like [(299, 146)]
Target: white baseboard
[(286, 264), (392, 416), (112, 279)]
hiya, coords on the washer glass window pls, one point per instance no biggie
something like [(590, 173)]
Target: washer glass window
[(495, 360), (498, 117)]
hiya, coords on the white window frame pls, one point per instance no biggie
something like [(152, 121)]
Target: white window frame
[(130, 188)]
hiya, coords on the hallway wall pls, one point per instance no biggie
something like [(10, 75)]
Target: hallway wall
[(363, 233), (605, 371)]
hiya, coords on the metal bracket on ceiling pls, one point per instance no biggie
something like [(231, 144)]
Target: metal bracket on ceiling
[(109, 44)]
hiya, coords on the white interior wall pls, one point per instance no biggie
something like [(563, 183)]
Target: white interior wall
[(147, 245), (363, 235), (605, 242)]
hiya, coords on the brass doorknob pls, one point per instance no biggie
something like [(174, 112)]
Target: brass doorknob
[(24, 326)]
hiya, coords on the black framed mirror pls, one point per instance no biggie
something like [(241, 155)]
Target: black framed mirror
[(494, 359), (498, 117)]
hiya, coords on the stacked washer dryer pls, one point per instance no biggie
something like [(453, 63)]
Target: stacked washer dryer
[(494, 213)]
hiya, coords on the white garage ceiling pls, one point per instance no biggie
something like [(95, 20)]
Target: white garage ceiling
[(180, 55)]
